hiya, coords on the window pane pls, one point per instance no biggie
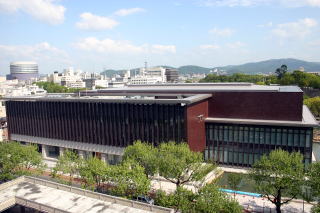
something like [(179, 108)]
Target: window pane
[(284, 137), (290, 137), (273, 136)]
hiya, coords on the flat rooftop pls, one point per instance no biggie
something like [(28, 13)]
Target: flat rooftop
[(49, 196), (308, 120), (120, 98), (200, 88)]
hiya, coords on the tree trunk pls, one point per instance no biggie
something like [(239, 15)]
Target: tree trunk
[(278, 201)]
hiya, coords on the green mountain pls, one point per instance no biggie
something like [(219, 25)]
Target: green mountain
[(191, 69), (269, 66), (262, 67)]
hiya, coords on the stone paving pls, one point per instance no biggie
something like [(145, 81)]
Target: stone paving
[(263, 205), (63, 200)]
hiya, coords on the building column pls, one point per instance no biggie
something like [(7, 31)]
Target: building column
[(44, 150), (103, 157), (81, 154), (61, 151)]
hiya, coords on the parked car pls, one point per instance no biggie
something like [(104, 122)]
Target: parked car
[(145, 199)]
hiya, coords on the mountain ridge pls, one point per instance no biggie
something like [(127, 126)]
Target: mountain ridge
[(260, 67)]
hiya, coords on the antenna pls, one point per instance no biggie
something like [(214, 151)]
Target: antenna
[(145, 65)]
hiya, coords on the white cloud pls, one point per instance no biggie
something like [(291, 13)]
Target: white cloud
[(43, 10), (314, 43), (269, 24), (119, 46), (209, 46), (129, 11), (157, 48), (108, 45), (298, 29), (48, 56), (226, 32), (250, 3), (236, 45), (90, 21)]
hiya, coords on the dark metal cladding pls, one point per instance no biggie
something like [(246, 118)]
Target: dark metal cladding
[(113, 124)]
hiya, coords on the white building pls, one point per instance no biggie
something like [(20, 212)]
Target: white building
[(153, 75)]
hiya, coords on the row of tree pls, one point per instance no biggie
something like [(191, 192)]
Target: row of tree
[(51, 87), (141, 162), (301, 79), (277, 175)]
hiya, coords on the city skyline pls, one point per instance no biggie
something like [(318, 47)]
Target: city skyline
[(114, 35)]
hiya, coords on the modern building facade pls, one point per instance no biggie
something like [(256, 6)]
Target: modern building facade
[(232, 124), (23, 70)]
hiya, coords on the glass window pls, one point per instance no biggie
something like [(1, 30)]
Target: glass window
[(296, 137), (225, 156), (308, 138), (210, 134), (225, 133), (230, 156), (302, 138), (241, 134), (215, 155), (220, 133), (245, 158), (251, 135), (268, 136), (290, 137), (236, 134), (240, 158), (284, 136), (262, 133), (256, 135), (250, 158), (230, 133), (246, 134), (53, 151), (273, 136), (235, 158), (278, 136), (256, 157), (215, 135)]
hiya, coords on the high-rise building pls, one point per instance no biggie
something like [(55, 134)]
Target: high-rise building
[(23, 70)]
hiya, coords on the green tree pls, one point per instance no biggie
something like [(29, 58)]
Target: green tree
[(278, 174), (210, 199), (281, 71), (179, 165), (144, 154), (17, 159), (234, 180), (51, 87), (69, 164), (314, 105), (129, 179), (93, 172)]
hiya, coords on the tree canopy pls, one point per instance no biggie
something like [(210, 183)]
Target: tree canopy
[(17, 159), (278, 174), (51, 87), (185, 165)]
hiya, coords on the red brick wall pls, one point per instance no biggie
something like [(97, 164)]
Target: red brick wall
[(196, 132), (257, 105)]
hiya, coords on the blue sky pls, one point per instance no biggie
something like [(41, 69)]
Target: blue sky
[(96, 34)]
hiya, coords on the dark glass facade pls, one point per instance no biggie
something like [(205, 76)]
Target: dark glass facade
[(113, 124), (242, 145)]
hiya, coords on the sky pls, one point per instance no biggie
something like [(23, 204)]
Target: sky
[(93, 35)]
